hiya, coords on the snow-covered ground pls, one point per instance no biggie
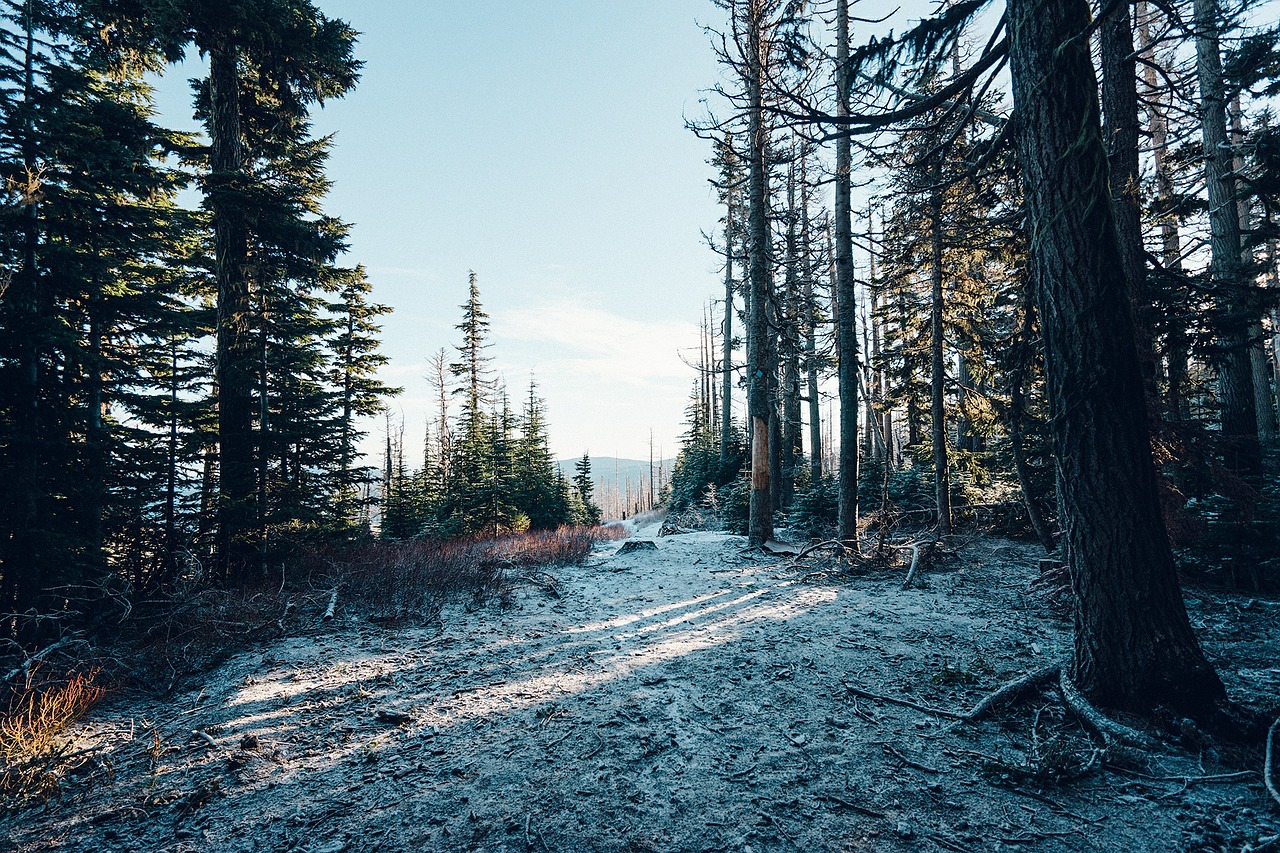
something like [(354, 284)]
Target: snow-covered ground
[(688, 698)]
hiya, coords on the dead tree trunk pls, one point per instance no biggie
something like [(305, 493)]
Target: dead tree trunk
[(1236, 401), (1177, 344), (846, 328), (760, 372), (941, 472), (810, 332)]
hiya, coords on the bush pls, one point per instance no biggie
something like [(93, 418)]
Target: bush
[(735, 503), (817, 510), (30, 752)]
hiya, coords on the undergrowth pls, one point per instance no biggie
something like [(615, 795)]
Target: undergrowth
[(155, 644), (33, 759)]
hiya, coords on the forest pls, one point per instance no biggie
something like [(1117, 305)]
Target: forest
[(999, 315)]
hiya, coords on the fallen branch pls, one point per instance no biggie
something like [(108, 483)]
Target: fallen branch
[(906, 703), (1268, 768), (1106, 728), (25, 668), (333, 603), (204, 736), (1186, 780), (283, 616), (853, 807), (1012, 692), (914, 765), (915, 561), (830, 543)]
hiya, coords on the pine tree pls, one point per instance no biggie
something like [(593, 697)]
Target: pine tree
[(94, 243), (290, 54), (584, 492)]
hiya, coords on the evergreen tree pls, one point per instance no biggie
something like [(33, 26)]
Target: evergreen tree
[(584, 491)]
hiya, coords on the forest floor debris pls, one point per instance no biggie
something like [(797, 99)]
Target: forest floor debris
[(696, 697)]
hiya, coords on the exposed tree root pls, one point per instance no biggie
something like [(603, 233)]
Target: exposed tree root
[(1269, 767), (839, 547), (1106, 728), (1012, 692)]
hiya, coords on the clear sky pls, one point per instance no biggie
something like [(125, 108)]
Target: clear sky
[(540, 143)]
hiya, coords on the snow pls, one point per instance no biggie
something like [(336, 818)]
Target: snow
[(688, 698)]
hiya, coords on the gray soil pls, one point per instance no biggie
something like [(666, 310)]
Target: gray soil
[(690, 698)]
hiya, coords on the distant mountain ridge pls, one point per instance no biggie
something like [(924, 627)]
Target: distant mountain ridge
[(609, 472)]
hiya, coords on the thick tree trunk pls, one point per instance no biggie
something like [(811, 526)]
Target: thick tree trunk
[(235, 345), (760, 372), (1235, 369), (938, 369), (1134, 647), (846, 328)]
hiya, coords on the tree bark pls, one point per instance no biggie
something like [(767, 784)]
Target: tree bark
[(789, 328), (846, 330), (1134, 647)]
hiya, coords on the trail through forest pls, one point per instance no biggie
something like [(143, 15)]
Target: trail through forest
[(695, 697)]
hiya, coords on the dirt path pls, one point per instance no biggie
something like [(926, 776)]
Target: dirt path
[(690, 698)]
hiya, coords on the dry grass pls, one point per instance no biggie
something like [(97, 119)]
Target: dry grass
[(166, 640), (414, 577), (31, 751)]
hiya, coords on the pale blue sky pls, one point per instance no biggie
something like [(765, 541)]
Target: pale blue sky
[(542, 144)]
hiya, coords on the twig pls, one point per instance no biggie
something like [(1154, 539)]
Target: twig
[(25, 668), (1105, 727), (818, 546), (924, 768), (1052, 803), (1268, 767), (1186, 780), (204, 736), (781, 829), (285, 615), (925, 709), (853, 807), (599, 746)]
